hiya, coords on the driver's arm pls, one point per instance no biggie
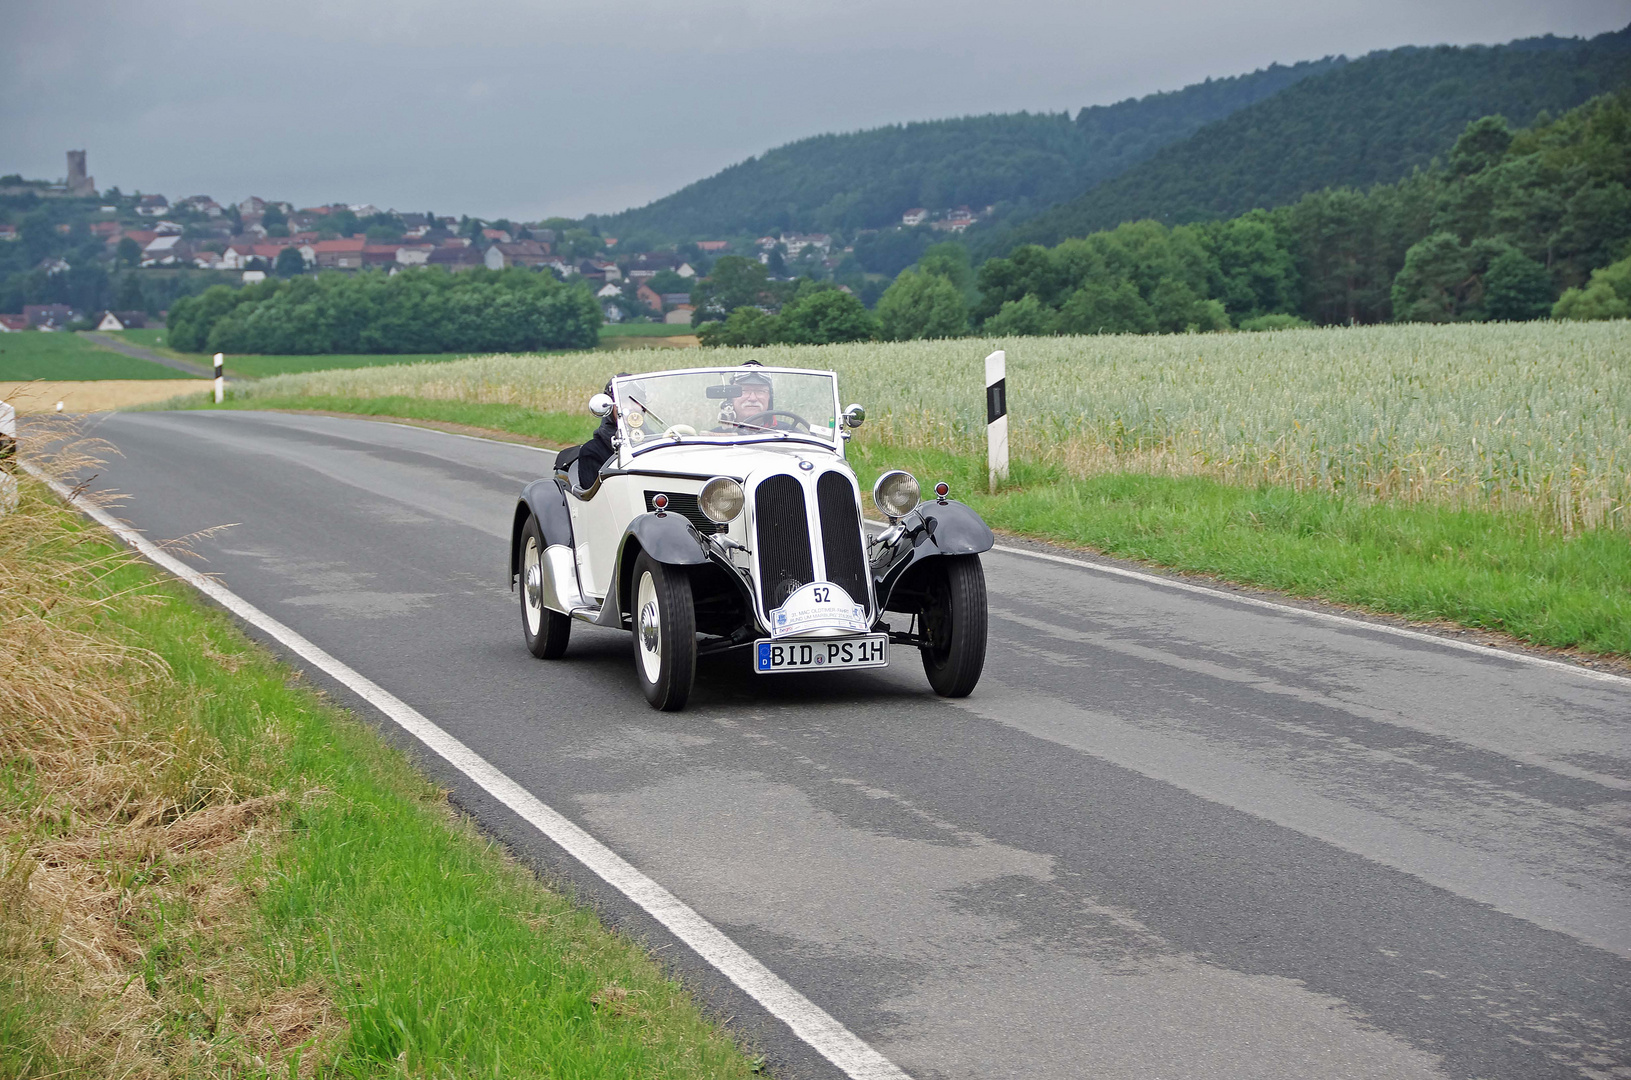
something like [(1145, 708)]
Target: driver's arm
[(597, 451)]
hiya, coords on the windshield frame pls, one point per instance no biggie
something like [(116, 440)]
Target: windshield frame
[(659, 442)]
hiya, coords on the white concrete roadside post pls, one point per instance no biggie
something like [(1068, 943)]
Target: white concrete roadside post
[(996, 417), (8, 451), (220, 380)]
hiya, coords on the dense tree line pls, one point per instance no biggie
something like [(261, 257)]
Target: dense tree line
[(1513, 225), (739, 304), (1017, 161), (1511, 221), (414, 311), (1370, 121), (1606, 296)]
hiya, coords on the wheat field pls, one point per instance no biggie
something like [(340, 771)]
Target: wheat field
[(1530, 416)]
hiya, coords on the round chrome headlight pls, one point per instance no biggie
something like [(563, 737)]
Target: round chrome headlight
[(896, 493), (721, 499)]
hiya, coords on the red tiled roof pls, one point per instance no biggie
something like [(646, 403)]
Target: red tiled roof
[(349, 246)]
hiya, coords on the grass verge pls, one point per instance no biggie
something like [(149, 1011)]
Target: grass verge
[(1502, 571), (614, 330), (205, 870), (63, 357)]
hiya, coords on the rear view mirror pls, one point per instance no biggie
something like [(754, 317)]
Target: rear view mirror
[(854, 416), (727, 391), (600, 405)]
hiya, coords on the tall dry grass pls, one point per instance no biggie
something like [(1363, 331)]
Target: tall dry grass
[(1532, 417), (125, 831)]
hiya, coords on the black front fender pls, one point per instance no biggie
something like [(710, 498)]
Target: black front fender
[(933, 529), (955, 529), (544, 500), (667, 538)]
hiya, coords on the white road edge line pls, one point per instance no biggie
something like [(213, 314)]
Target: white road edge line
[(829, 1038), (1346, 620)]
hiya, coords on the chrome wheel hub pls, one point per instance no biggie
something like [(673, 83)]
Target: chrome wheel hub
[(648, 627), (532, 587)]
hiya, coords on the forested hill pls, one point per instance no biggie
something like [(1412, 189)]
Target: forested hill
[(1366, 122), (1018, 161)]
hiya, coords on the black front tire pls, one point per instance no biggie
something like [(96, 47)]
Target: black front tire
[(665, 633), (546, 631), (953, 624)]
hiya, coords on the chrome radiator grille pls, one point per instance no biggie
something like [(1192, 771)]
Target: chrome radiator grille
[(783, 528), (782, 531), (841, 536)]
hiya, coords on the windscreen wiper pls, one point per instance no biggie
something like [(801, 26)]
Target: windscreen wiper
[(648, 409)]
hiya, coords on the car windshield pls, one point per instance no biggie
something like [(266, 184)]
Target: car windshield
[(727, 405)]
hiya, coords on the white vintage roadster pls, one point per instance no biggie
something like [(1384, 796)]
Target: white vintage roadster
[(727, 518)]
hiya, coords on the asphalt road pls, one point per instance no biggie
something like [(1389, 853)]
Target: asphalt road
[(1172, 834), (141, 353)]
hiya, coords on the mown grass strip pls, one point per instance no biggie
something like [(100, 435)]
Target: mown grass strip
[(617, 330), (63, 357), (1508, 572), (440, 956)]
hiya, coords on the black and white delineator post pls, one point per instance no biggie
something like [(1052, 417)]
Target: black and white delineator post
[(996, 417), (220, 380), (8, 431), (8, 448)]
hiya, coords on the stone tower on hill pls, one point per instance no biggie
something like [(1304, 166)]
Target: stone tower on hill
[(78, 182)]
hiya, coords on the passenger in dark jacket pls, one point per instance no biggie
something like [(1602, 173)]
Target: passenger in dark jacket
[(589, 457), (597, 451)]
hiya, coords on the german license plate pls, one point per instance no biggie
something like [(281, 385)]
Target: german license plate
[(823, 654)]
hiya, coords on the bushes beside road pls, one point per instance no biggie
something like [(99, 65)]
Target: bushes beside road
[(413, 311)]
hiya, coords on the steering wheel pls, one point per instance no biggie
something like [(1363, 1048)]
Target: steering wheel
[(757, 419)]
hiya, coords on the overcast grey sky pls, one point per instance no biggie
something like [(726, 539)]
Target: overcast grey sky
[(525, 109)]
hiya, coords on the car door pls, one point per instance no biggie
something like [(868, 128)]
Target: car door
[(605, 519)]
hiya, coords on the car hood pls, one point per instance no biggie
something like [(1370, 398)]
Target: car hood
[(740, 461)]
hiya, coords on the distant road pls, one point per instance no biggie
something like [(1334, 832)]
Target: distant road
[(147, 354), (1172, 834)]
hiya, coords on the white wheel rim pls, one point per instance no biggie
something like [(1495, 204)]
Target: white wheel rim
[(648, 628), (532, 586)]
